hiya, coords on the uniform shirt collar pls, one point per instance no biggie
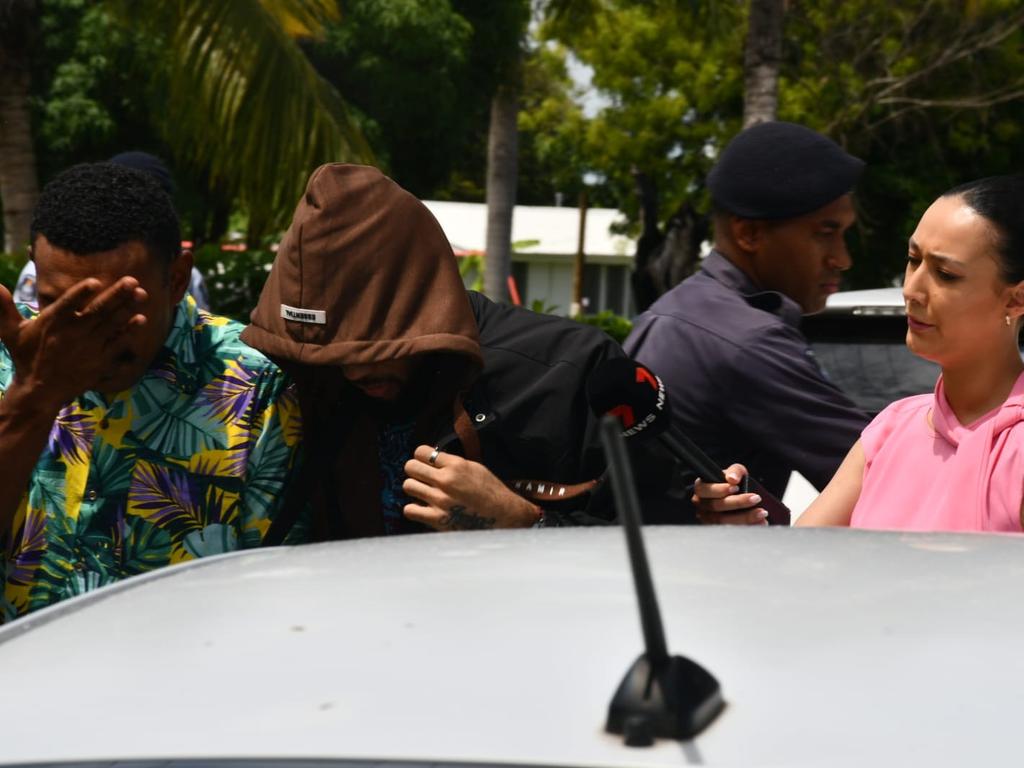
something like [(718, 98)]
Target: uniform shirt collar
[(719, 268)]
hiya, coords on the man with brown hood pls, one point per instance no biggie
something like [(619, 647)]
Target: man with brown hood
[(424, 406)]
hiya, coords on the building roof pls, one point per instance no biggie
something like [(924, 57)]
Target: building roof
[(536, 229)]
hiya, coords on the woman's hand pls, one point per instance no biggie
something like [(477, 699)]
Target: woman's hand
[(723, 504)]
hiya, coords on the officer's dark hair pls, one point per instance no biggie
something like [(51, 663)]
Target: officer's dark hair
[(96, 207), (1000, 199)]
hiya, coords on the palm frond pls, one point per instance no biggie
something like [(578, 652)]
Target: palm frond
[(303, 19), (244, 102)]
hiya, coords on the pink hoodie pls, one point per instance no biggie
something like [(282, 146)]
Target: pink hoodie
[(950, 478)]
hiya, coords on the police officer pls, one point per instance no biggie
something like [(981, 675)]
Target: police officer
[(741, 378)]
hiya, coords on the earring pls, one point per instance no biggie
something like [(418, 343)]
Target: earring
[(1007, 321)]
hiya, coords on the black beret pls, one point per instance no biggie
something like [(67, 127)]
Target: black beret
[(781, 170), (147, 163)]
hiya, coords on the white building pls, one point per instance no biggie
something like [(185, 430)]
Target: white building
[(544, 241)]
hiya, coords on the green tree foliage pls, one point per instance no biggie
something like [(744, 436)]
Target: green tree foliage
[(673, 91), (420, 75), (247, 106), (10, 268), (930, 94), (401, 65), (234, 280), (553, 131), (90, 104), (220, 90)]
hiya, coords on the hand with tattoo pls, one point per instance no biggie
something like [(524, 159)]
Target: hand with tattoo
[(455, 494)]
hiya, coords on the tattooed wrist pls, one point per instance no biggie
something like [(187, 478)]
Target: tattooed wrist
[(461, 519)]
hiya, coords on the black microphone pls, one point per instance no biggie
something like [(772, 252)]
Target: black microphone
[(632, 393)]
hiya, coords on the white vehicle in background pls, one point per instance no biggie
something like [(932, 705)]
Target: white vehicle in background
[(860, 342), (832, 648)]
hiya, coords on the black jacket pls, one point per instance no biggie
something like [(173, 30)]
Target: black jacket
[(537, 433), (530, 409)]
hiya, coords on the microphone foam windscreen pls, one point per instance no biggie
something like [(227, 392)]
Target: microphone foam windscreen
[(630, 392)]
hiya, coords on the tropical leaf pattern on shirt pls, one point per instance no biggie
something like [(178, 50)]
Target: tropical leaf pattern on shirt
[(170, 425), (228, 397), (72, 435), (30, 538), (165, 497), (192, 461)]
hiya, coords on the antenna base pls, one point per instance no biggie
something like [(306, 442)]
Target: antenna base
[(676, 700)]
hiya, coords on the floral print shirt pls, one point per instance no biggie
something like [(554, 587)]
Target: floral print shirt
[(192, 461)]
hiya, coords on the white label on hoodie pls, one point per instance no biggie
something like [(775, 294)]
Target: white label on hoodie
[(317, 316)]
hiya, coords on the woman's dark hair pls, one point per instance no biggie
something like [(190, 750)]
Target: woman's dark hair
[(96, 207), (1000, 199)]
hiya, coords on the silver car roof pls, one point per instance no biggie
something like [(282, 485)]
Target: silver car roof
[(833, 647), (869, 301)]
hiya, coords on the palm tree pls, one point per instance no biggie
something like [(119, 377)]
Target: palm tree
[(248, 107), (18, 184), (242, 104), (502, 179), (762, 53), (762, 58), (500, 25)]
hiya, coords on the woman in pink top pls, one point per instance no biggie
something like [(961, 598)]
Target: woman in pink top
[(952, 460)]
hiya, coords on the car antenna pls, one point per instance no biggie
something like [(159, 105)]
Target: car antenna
[(661, 695)]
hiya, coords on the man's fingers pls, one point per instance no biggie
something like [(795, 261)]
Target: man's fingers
[(421, 471), (425, 493), (123, 295), (431, 516), (74, 299), (10, 318), (425, 453), (119, 314)]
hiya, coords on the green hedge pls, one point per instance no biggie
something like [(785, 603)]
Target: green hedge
[(616, 326), (10, 268), (233, 279)]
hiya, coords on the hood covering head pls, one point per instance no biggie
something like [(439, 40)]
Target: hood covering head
[(364, 274)]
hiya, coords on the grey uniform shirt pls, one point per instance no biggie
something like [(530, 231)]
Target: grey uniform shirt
[(741, 379)]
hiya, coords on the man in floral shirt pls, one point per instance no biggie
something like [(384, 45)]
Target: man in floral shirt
[(136, 430)]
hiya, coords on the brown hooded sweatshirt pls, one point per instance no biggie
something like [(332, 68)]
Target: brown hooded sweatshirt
[(364, 274)]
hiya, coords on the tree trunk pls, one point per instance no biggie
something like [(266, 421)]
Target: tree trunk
[(576, 307), (19, 185), (761, 61), (502, 178), (649, 244)]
